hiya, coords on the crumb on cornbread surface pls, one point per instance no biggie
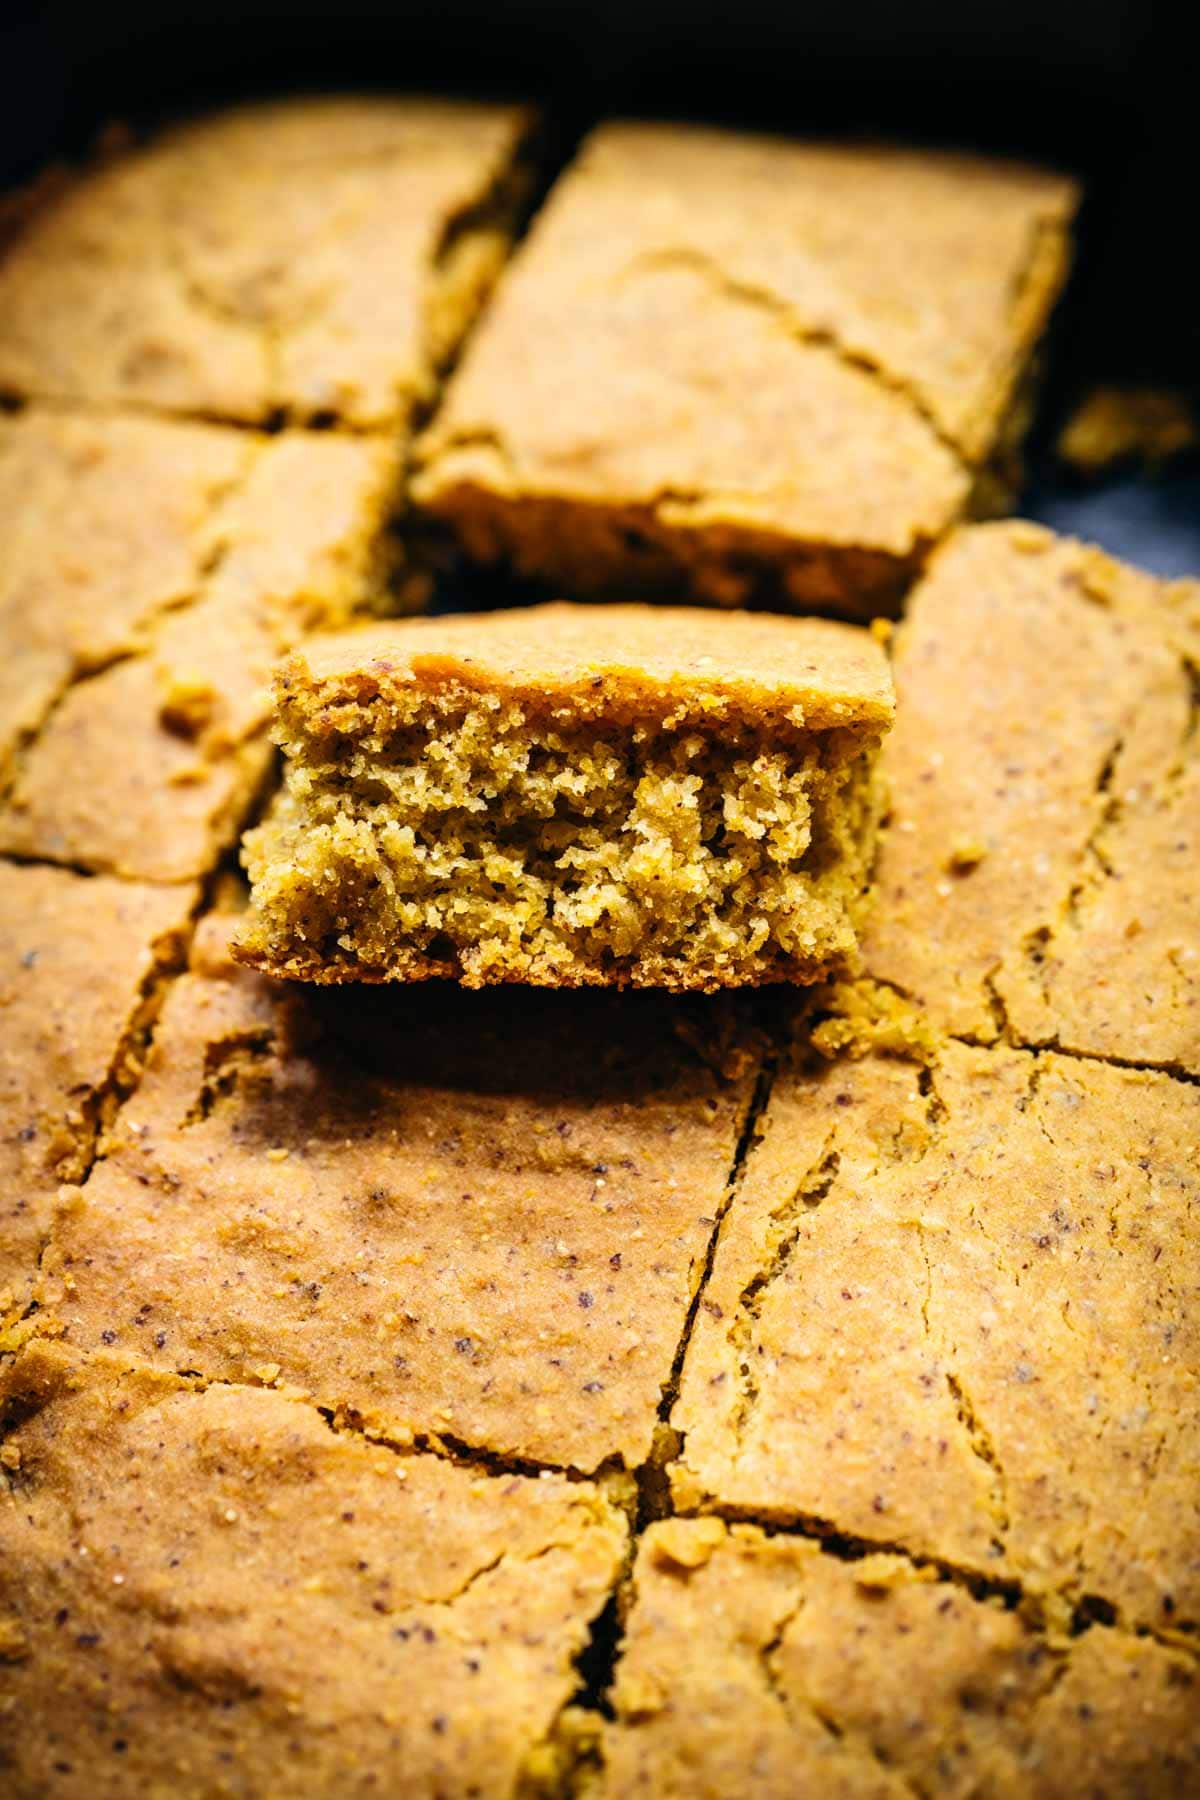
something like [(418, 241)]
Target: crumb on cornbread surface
[(572, 795), (198, 1584), (761, 1662), (144, 623), (1039, 874), (312, 259), (81, 962), (730, 363)]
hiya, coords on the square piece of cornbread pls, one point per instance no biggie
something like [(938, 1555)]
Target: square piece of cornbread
[(570, 796), (308, 260), (728, 365)]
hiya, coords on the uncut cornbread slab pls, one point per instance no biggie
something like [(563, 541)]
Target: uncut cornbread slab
[(309, 260), (953, 1309), (207, 1590), (1039, 873), (81, 967), (569, 796), (153, 572), (763, 1664), (464, 1217), (746, 367)]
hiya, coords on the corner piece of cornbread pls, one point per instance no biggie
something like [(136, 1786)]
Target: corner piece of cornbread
[(732, 365), (202, 1585), (572, 796), (315, 259)]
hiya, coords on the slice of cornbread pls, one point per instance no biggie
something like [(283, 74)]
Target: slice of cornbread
[(209, 1590), (952, 1309), (81, 963), (156, 572), (1039, 873), (571, 796), (472, 1216), (728, 364), (765, 1664), (313, 259)]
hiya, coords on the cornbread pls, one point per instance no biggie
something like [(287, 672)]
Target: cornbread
[(187, 560), (1038, 875), (952, 1310), (572, 796), (107, 523), (743, 367), (756, 1664), (470, 1217), (311, 260), (82, 963), (207, 1590), (1114, 425), (472, 1390)]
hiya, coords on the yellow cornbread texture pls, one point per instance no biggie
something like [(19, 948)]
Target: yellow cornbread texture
[(81, 963), (207, 1590), (755, 1664), (471, 1216), (732, 364), (449, 1390), (570, 796), (1038, 876), (953, 1310), (315, 259), (157, 571)]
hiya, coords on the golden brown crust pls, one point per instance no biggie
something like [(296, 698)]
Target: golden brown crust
[(473, 1215), (633, 664), (205, 1584), (760, 1659), (80, 965), (1038, 870), (286, 258), (106, 524), (951, 1312), (289, 539), (782, 359)]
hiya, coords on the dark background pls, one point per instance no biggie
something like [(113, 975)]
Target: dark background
[(1105, 88)]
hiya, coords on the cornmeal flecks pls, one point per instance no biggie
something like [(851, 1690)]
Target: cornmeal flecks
[(765, 1665), (470, 1217), (727, 364), (174, 714), (200, 1588), (954, 1309), (572, 796), (316, 259), (72, 1022), (1040, 871)]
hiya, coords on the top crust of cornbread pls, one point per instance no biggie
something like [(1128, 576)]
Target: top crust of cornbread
[(313, 257), (622, 661), (140, 629), (210, 1591), (715, 349), (1037, 877)]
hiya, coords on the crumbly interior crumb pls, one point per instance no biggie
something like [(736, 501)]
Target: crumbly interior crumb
[(448, 833)]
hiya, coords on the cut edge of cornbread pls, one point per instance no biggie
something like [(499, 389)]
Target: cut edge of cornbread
[(552, 815)]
